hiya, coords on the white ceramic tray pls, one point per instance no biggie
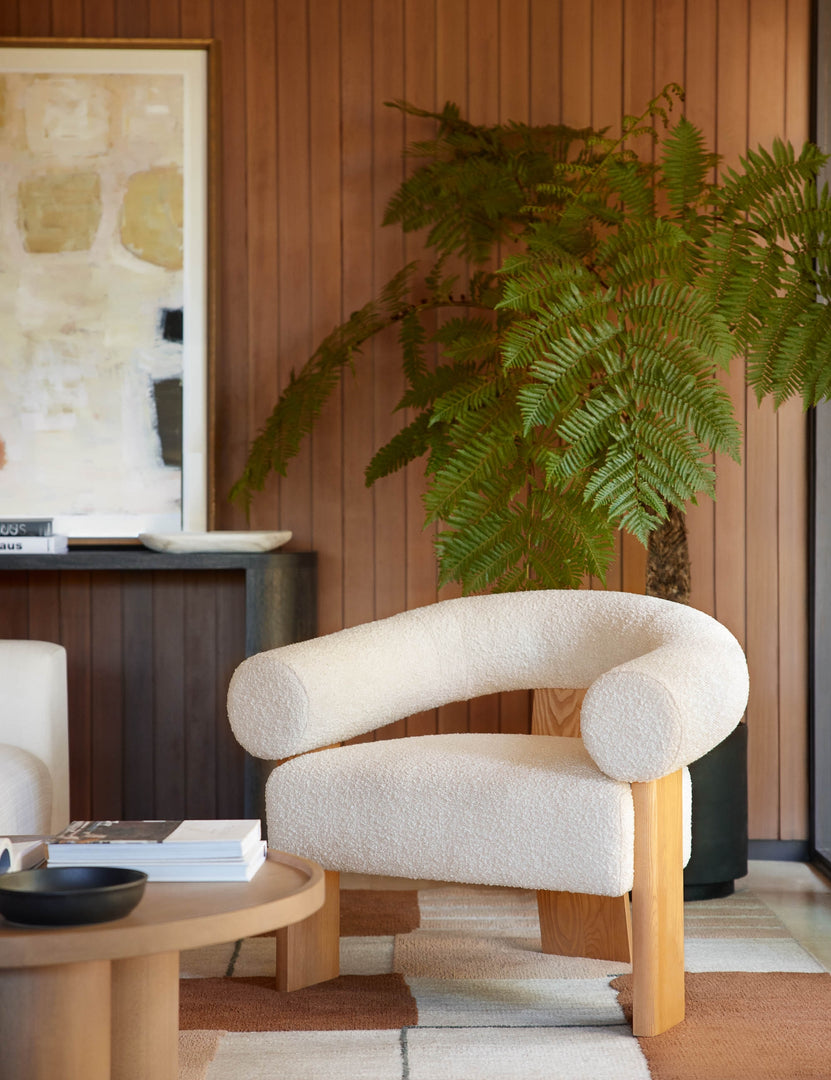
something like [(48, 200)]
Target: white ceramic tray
[(182, 542)]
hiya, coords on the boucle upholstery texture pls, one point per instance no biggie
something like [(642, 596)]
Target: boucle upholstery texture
[(33, 718), (531, 811), (666, 682), (25, 793)]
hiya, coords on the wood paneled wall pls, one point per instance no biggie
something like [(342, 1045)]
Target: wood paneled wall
[(310, 156)]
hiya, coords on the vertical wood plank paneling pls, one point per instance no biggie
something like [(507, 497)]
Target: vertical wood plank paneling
[(483, 62), (607, 64), (9, 19), (731, 139), (388, 257), (164, 19), (607, 111), (196, 19), (453, 72), (67, 18), (294, 296), (325, 264), (670, 66), (272, 200), (452, 53), (545, 90), (483, 108), (514, 104), (138, 676), (358, 104), (576, 59), (420, 88), (200, 705), (44, 598), (793, 501), (233, 424), (99, 18), (169, 642), (35, 18), (229, 598), (638, 89), (14, 609), (132, 18), (76, 638), (700, 108), (514, 60), (766, 117), (106, 697)]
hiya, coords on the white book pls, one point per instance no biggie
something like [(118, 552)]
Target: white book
[(111, 842), (20, 854), (238, 869), (34, 545)]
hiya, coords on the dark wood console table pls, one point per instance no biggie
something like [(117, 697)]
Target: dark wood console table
[(152, 640)]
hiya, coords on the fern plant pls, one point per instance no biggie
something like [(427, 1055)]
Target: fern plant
[(575, 388)]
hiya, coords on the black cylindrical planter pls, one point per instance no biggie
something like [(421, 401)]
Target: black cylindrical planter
[(719, 819)]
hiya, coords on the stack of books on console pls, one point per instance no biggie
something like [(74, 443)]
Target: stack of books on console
[(164, 850), (30, 536)]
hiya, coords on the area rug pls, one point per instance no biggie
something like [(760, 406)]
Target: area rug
[(448, 983)]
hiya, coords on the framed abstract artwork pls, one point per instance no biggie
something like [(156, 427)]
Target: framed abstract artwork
[(105, 285)]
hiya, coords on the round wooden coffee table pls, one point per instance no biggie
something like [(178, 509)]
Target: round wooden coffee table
[(101, 1002)]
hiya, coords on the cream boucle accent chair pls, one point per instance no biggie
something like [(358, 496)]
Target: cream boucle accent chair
[(572, 818)]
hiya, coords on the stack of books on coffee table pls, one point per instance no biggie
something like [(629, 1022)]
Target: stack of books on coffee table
[(227, 850)]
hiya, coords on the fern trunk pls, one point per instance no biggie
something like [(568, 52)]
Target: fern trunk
[(668, 559)]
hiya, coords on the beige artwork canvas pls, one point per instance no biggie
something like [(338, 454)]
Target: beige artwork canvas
[(102, 289)]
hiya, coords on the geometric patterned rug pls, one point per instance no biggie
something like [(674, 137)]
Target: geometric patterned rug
[(448, 983)]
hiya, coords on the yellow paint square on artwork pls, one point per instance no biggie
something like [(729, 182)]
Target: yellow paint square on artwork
[(59, 211)]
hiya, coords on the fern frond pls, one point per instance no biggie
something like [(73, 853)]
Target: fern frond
[(681, 311), (485, 447), (763, 173), (467, 339), (407, 445), (303, 399), (532, 284), (641, 251), (412, 338), (685, 165), (567, 373), (433, 385), (468, 395), (778, 360)]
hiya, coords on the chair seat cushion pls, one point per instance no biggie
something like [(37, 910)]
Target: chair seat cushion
[(25, 792), (531, 811)]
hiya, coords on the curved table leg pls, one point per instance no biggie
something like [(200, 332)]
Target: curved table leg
[(55, 1021), (145, 1017)]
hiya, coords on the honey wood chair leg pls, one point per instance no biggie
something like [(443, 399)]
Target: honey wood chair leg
[(308, 951), (658, 907), (574, 924)]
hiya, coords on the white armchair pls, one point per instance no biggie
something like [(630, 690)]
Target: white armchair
[(599, 816), (34, 740)]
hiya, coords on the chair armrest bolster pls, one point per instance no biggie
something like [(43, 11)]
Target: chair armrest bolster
[(651, 715)]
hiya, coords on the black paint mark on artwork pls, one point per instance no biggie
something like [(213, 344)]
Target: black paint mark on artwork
[(167, 395), (173, 325)]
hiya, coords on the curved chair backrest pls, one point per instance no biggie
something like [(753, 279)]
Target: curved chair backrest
[(666, 682)]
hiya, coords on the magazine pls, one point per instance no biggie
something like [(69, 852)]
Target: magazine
[(156, 840)]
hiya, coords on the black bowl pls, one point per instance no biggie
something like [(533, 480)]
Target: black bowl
[(69, 895)]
